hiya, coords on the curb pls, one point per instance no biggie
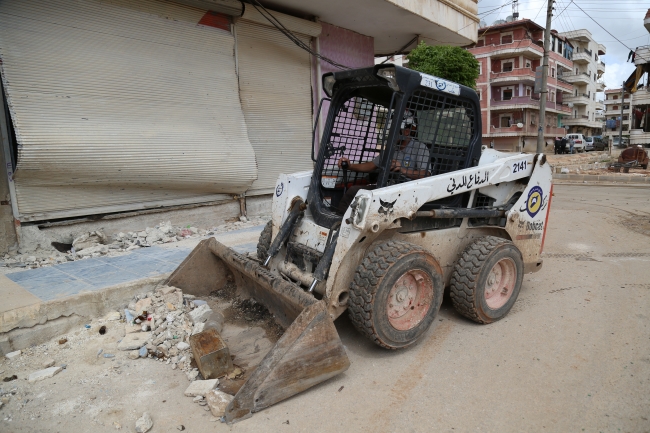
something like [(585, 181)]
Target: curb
[(38, 323), (636, 180)]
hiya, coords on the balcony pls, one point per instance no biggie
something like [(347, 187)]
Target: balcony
[(564, 86), (600, 67), (600, 105), (515, 76), (581, 57), (579, 78), (582, 35), (526, 47), (519, 102), (601, 50), (581, 120), (642, 55), (577, 100), (512, 131), (600, 86), (641, 97)]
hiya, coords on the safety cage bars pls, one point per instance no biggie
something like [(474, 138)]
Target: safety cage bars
[(434, 137)]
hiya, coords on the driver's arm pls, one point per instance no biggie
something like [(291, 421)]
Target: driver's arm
[(364, 167)]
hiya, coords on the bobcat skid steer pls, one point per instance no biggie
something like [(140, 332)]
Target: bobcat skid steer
[(403, 201)]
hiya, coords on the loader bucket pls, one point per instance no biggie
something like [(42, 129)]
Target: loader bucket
[(310, 350)]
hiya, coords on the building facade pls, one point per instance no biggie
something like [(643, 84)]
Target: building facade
[(638, 86), (615, 100), (586, 77), (109, 107), (508, 56)]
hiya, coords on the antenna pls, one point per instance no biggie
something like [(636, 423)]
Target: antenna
[(515, 10)]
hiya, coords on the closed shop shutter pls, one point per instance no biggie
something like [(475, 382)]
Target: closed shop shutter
[(121, 105), (275, 89)]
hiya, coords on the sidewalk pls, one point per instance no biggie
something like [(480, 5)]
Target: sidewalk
[(90, 286)]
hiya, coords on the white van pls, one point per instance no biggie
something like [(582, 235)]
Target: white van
[(579, 142)]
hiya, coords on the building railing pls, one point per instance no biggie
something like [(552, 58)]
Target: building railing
[(516, 72), (529, 100)]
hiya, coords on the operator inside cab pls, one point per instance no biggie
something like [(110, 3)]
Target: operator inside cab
[(411, 159)]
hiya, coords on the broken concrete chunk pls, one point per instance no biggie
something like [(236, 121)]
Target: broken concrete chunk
[(144, 423), (166, 290), (182, 346), (200, 314), (89, 240), (218, 401), (142, 305), (113, 315), (135, 354), (134, 341), (48, 363), (44, 374), (13, 355), (201, 387)]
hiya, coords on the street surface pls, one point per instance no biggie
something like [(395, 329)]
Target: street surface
[(573, 355)]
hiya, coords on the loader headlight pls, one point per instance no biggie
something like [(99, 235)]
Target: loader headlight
[(328, 84), (390, 75)]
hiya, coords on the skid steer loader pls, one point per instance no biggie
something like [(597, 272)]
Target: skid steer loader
[(403, 201)]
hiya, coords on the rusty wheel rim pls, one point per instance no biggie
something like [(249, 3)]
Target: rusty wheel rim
[(409, 299), (500, 283)]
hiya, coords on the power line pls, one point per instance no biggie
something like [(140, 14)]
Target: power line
[(293, 38)]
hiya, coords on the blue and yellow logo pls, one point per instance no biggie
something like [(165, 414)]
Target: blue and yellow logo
[(534, 202)]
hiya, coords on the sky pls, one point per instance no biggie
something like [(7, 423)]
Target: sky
[(622, 18)]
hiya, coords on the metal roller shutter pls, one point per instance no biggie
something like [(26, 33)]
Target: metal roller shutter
[(120, 105), (275, 89)]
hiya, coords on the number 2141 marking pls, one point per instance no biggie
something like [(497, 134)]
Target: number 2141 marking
[(519, 166)]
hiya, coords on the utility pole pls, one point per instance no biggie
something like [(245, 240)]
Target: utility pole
[(544, 90), (620, 133)]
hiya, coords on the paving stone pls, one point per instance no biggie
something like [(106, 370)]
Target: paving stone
[(201, 387), (44, 374), (134, 341)]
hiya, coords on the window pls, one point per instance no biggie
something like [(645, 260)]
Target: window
[(507, 67), (480, 95), (559, 47), (506, 38), (505, 122), (480, 43), (552, 72), (615, 107), (615, 97), (480, 68), (533, 119), (626, 96), (528, 91), (625, 117), (529, 65), (507, 94)]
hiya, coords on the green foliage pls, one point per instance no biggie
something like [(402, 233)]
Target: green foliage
[(444, 61)]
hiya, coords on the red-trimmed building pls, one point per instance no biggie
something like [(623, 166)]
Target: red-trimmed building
[(508, 55)]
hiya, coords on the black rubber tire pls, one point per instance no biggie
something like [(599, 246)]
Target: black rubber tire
[(264, 242), (372, 282), (470, 274)]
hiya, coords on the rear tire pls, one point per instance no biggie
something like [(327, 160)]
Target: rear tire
[(264, 242), (487, 279), (395, 294)]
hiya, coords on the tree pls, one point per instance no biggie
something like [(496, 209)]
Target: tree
[(444, 61)]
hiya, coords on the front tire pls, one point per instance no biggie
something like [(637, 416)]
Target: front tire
[(487, 279), (264, 242), (395, 294)]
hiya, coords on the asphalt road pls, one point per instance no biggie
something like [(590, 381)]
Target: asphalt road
[(573, 355)]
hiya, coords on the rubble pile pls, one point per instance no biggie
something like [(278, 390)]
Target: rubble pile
[(159, 325), (97, 244)]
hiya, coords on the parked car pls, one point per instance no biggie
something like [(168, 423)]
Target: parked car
[(617, 143), (636, 153), (578, 142), (600, 143), (589, 144)]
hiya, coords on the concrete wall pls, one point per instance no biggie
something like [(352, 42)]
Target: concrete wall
[(345, 47)]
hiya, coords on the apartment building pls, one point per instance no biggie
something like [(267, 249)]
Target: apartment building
[(639, 114), (613, 121), (508, 55), (586, 77)]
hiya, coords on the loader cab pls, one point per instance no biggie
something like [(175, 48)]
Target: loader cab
[(384, 114)]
